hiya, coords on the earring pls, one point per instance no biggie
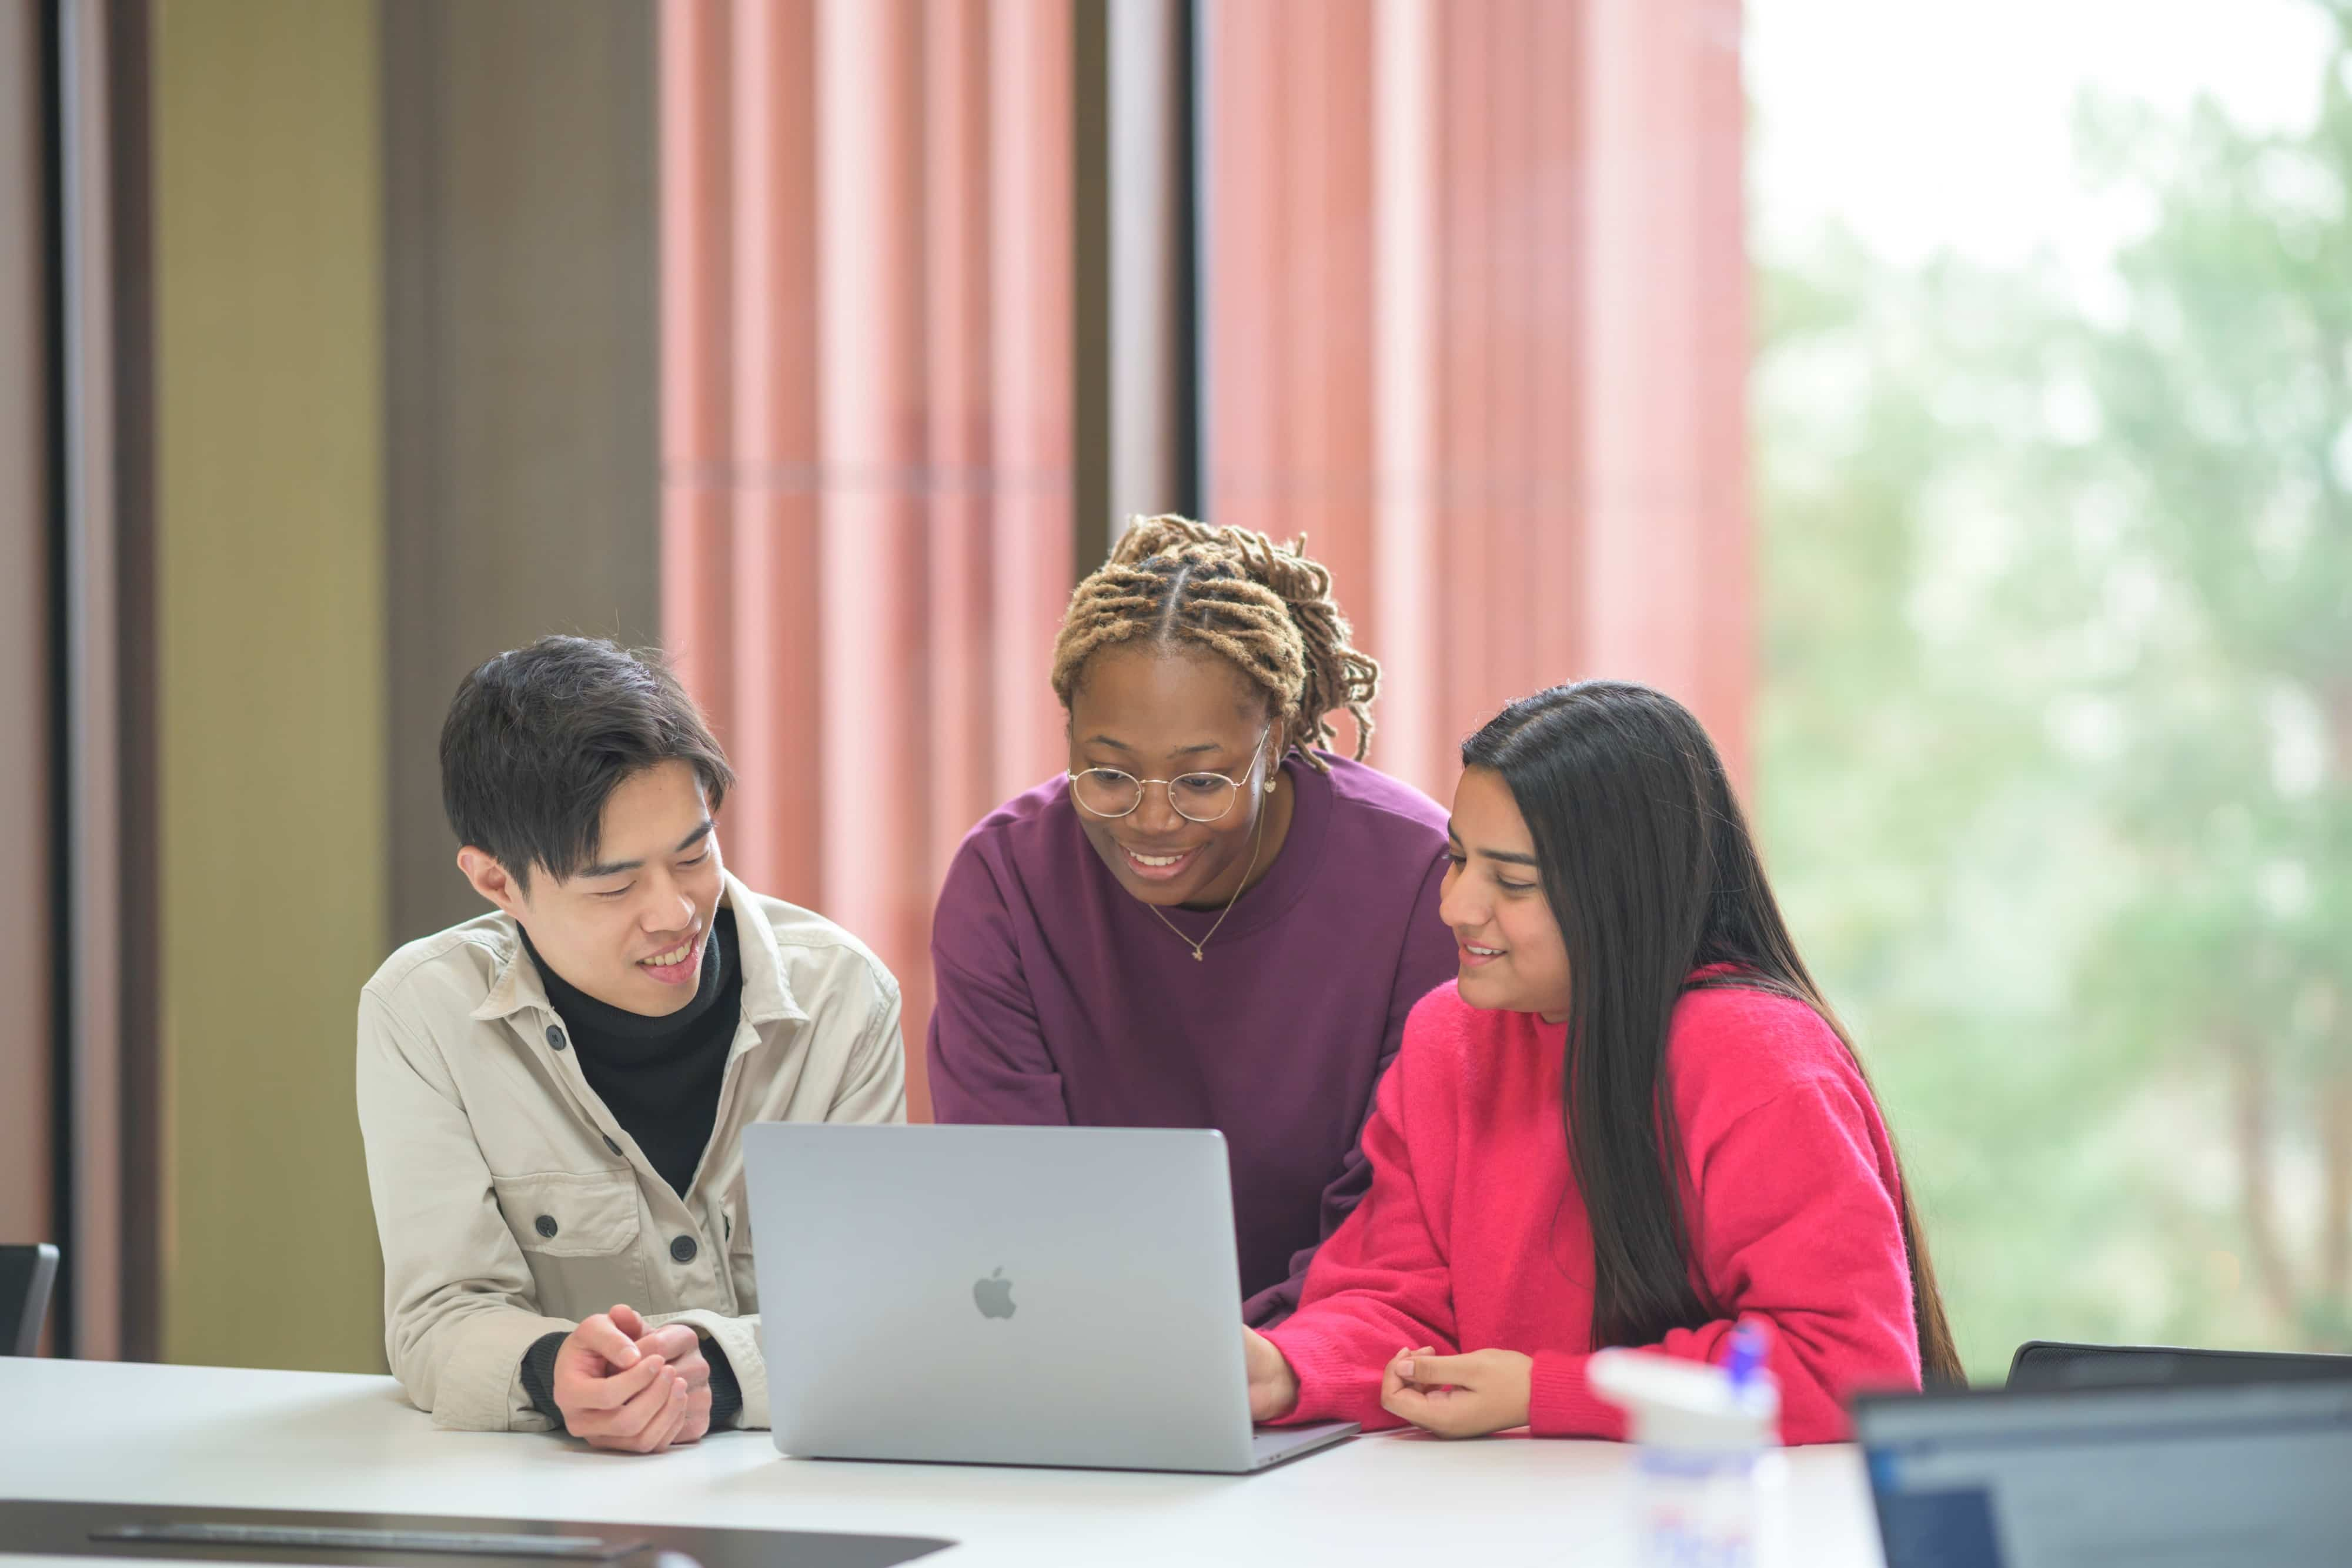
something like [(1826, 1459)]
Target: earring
[(1269, 786)]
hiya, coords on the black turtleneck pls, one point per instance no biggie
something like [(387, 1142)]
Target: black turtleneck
[(660, 1077)]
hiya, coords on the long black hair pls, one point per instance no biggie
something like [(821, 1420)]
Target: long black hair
[(1651, 874)]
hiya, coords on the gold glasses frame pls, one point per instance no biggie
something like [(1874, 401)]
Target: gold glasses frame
[(1142, 786)]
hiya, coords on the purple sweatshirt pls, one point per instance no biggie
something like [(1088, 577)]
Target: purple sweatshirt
[(1061, 999)]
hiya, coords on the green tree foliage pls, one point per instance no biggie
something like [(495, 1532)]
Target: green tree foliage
[(2057, 733)]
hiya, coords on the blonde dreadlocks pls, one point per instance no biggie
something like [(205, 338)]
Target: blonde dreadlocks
[(1265, 607)]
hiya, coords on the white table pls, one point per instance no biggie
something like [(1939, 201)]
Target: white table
[(291, 1439)]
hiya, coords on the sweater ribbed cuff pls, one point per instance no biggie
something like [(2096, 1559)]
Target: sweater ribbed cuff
[(539, 1377), (726, 1388), (1331, 1385), (1561, 1403)]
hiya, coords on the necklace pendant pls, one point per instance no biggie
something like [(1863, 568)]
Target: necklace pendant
[(1196, 956)]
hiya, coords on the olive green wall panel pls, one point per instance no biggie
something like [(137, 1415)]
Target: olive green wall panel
[(268, 202)]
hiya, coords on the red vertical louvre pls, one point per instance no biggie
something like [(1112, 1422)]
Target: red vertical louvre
[(957, 266), (1473, 564), (1031, 381), (696, 413), (775, 628), (1556, 338), (880, 198), (1407, 617), (1668, 580), (1289, 220), (1246, 131), (1325, 333), (874, 753)]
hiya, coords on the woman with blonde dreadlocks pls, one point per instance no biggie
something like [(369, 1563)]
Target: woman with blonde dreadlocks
[(1208, 920)]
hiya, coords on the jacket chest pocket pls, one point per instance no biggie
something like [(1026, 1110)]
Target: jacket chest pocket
[(580, 1235)]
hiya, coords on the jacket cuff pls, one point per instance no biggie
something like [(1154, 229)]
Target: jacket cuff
[(1561, 1403), (738, 1339), (479, 1386)]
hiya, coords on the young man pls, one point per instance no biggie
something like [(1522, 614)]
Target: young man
[(553, 1095)]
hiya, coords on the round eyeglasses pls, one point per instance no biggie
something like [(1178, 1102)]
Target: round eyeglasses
[(1196, 797)]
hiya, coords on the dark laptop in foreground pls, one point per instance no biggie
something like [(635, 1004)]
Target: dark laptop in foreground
[(2178, 1477), (1062, 1296)]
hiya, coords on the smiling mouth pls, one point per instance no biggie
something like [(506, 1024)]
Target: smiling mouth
[(680, 964), (1471, 954), (1157, 868)]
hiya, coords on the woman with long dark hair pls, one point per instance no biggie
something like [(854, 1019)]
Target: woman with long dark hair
[(1632, 1120)]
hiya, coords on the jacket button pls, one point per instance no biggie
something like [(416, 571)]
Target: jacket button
[(546, 1226), (683, 1250), (555, 1037), (611, 1144)]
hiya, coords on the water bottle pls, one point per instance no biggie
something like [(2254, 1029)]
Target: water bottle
[(1706, 1483)]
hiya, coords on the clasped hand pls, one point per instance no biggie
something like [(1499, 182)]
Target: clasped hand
[(1447, 1396), (1458, 1395), (622, 1386)]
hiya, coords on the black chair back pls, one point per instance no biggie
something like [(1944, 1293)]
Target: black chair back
[(26, 1275), (2045, 1366)]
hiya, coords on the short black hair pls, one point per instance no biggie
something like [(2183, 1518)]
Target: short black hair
[(539, 738)]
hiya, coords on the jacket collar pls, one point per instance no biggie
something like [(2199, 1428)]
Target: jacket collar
[(767, 995)]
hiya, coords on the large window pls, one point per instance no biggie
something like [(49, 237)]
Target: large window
[(2053, 419)]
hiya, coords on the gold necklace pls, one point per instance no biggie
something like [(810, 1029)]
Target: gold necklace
[(1257, 842)]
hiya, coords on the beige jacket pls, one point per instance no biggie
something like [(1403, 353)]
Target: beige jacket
[(509, 1202)]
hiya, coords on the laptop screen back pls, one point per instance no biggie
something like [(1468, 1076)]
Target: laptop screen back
[(2153, 1478)]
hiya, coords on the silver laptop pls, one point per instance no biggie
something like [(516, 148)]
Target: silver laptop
[(1005, 1296)]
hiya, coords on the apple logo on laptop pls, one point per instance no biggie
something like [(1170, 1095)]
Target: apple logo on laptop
[(993, 1295)]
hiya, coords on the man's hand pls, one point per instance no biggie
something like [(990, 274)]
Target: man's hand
[(681, 1347), (624, 1386), (1458, 1395), (1273, 1387)]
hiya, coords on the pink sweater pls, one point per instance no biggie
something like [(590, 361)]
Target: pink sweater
[(1474, 1235)]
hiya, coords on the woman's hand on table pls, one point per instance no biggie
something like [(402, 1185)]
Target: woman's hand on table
[(1273, 1387), (1458, 1395)]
